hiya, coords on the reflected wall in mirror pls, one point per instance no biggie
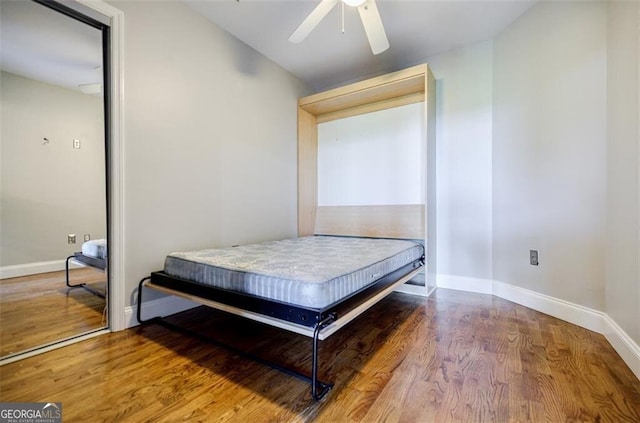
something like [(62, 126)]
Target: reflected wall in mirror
[(53, 177)]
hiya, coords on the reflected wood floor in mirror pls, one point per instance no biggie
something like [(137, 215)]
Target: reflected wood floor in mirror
[(39, 309), (454, 357)]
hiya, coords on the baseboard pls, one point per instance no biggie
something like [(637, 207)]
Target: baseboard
[(161, 307), (585, 317), (463, 283), (623, 344), (27, 269), (574, 313), (420, 290)]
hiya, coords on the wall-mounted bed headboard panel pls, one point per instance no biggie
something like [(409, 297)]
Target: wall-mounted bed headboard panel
[(408, 86)]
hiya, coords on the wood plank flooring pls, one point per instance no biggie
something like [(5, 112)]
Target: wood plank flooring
[(454, 357), (40, 309)]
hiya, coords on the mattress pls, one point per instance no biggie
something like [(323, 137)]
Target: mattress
[(96, 248), (314, 271)]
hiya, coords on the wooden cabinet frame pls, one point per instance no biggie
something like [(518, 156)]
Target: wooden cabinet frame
[(412, 85)]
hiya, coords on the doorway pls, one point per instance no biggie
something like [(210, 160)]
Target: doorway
[(55, 181)]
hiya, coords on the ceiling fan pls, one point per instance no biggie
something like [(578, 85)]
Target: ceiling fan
[(369, 15)]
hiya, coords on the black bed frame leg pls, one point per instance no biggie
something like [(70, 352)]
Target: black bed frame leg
[(66, 272), (80, 285), (316, 393), (139, 310)]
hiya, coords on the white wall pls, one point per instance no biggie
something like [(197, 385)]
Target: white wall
[(549, 151), (463, 154), (372, 159), (210, 138), (49, 190), (623, 167)]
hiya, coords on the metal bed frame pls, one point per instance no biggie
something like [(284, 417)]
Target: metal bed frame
[(316, 323), (98, 263)]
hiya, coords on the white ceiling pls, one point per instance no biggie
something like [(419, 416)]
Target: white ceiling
[(416, 29), (40, 44)]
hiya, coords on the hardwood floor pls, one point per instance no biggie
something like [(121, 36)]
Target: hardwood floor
[(40, 309), (455, 357)]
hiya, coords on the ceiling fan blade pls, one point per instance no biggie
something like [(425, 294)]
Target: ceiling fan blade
[(373, 26), (312, 20)]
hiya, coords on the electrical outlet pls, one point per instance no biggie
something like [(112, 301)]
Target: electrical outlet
[(533, 257), (71, 239), (76, 144), (87, 237)]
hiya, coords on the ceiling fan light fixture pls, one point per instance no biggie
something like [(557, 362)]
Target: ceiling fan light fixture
[(354, 3), (369, 15)]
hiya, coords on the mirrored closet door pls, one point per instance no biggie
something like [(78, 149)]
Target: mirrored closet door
[(53, 185)]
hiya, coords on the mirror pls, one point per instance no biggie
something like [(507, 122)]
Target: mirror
[(53, 178)]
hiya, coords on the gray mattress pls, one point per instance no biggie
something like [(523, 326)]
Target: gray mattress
[(313, 271), (96, 248)]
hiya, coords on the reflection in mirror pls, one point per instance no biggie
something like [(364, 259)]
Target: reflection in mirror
[(53, 178)]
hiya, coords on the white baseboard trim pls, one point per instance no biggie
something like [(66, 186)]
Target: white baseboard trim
[(27, 269), (623, 344), (419, 290), (574, 313), (585, 317), (161, 307), (463, 283)]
